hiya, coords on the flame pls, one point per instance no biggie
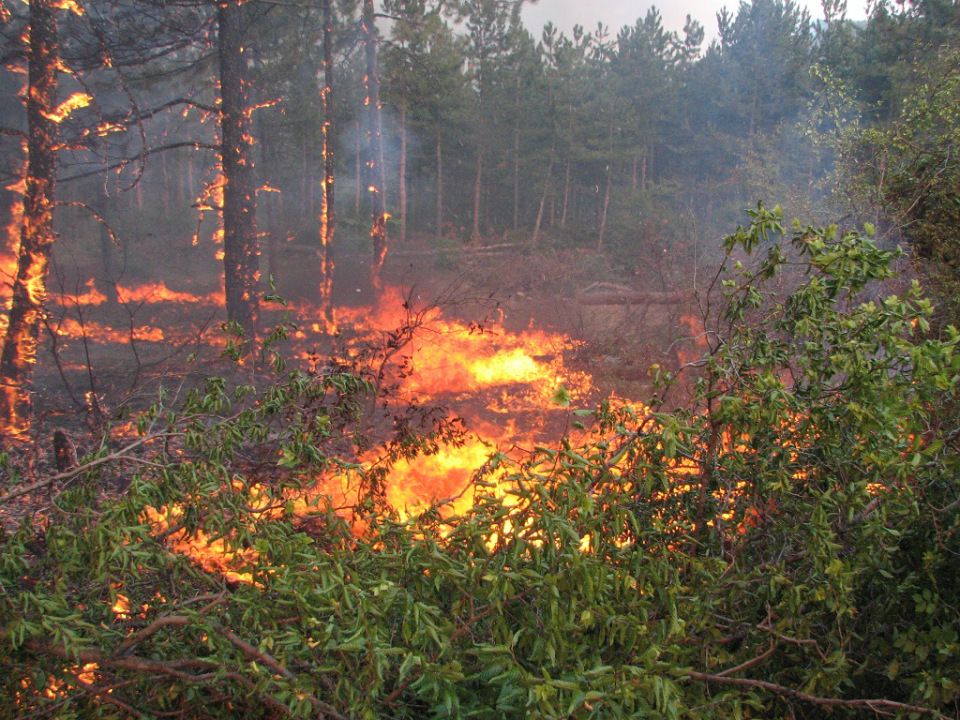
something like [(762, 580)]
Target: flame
[(697, 343), (89, 296), (121, 608), (74, 102), (158, 292), (72, 328), (212, 555), (70, 5), (444, 477)]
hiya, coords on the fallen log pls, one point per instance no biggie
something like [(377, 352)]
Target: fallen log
[(636, 298)]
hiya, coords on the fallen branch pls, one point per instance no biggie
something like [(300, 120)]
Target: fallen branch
[(874, 705), (635, 298), (141, 635)]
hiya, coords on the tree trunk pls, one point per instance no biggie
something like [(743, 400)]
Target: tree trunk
[(327, 211), (566, 194), (306, 192), (403, 172), (108, 281), (240, 242), (266, 209), (606, 208), (165, 182), (36, 235), (477, 185), (358, 169), (191, 185), (375, 169), (606, 192), (643, 171), (543, 198), (649, 165), (439, 219), (516, 159)]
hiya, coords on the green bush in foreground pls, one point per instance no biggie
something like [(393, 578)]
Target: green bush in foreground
[(802, 564)]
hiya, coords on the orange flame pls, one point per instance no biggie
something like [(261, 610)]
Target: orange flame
[(74, 102)]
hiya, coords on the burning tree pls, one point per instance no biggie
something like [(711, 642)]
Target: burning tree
[(374, 143), (328, 208), (36, 233), (240, 242)]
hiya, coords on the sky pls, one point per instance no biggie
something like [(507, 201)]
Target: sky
[(617, 13)]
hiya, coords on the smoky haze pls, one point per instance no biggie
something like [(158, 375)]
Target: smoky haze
[(616, 13)]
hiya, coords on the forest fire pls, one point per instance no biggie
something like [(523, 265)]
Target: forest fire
[(512, 390), (304, 492)]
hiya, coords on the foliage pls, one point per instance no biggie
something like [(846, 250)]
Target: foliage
[(911, 173), (786, 546)]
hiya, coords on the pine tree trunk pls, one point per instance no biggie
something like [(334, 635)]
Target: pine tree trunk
[(648, 165), (19, 354), (305, 191), (265, 201), (606, 192), (477, 186), (566, 194), (516, 159), (191, 185), (403, 173), (108, 282), (543, 198), (358, 169), (327, 211), (439, 218), (240, 242), (374, 164)]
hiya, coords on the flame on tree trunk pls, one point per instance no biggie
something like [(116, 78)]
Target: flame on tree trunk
[(240, 242), (374, 163), (36, 235), (327, 213)]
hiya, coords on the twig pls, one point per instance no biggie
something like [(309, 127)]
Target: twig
[(156, 625), (749, 663)]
